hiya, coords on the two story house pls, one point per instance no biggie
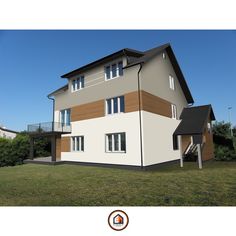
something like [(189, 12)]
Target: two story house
[(130, 108)]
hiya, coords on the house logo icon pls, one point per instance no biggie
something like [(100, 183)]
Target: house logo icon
[(118, 220)]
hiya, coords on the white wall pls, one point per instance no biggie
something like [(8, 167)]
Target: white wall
[(94, 131), (157, 138)]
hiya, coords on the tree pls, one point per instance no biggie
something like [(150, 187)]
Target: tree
[(225, 144), (222, 129)]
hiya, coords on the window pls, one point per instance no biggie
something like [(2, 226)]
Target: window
[(65, 117), (163, 55), (209, 127), (120, 68), (115, 142), (172, 82), (174, 111), (113, 67), (107, 72), (78, 83), (114, 70), (77, 144), (115, 105)]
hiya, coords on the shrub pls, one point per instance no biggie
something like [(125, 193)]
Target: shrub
[(20, 147), (13, 152), (5, 152), (224, 153), (42, 147), (225, 144)]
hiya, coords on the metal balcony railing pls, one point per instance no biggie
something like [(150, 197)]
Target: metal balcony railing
[(47, 127)]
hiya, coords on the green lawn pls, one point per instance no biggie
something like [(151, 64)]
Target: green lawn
[(69, 185)]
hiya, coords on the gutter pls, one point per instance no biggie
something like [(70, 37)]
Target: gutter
[(53, 106), (140, 115)]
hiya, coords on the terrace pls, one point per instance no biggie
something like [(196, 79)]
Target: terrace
[(52, 130)]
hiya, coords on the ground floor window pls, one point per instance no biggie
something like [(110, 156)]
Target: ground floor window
[(77, 143), (115, 142)]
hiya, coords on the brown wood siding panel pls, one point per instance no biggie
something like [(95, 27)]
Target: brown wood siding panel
[(155, 104), (148, 103), (186, 139), (208, 148), (65, 144), (88, 111), (131, 102), (58, 148)]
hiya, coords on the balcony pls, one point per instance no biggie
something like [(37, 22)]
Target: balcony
[(49, 128)]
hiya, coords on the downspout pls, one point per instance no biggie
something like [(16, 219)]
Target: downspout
[(140, 116), (53, 108)]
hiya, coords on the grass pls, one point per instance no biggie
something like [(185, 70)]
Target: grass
[(73, 185)]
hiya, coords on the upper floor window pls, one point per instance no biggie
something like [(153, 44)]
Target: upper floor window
[(65, 116), (114, 70), (172, 82), (163, 55), (115, 105), (77, 143), (173, 111), (78, 83)]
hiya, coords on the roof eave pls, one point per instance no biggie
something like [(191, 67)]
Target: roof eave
[(123, 52), (63, 89)]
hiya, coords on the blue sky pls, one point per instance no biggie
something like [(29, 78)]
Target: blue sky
[(31, 63)]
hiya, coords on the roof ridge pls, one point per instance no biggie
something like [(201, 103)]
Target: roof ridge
[(158, 47)]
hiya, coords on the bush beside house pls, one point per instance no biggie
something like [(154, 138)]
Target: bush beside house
[(225, 143), (13, 152)]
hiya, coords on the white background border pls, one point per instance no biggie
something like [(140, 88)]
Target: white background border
[(177, 221), (122, 14)]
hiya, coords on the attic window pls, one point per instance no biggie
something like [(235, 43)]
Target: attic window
[(114, 70), (163, 55), (172, 82), (78, 83)]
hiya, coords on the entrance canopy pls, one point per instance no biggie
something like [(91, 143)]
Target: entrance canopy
[(193, 122)]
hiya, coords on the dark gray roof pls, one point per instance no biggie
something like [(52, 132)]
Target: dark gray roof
[(194, 119), (137, 57), (63, 88), (149, 54), (124, 52)]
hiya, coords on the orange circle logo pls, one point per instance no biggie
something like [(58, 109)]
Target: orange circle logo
[(118, 220)]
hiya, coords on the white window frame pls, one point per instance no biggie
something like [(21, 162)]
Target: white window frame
[(74, 143), (112, 105), (117, 70), (174, 111), (113, 143), (172, 82), (78, 84), (66, 116)]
